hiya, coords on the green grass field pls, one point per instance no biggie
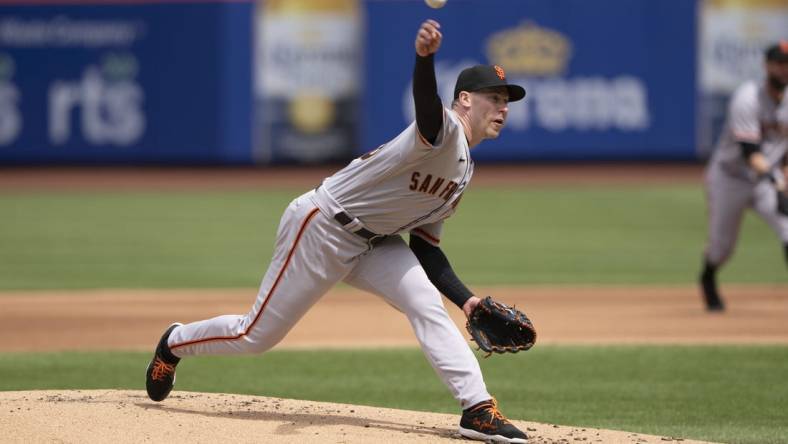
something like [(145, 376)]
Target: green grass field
[(500, 236), (716, 393)]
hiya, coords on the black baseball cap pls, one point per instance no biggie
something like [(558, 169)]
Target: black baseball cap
[(778, 52), (486, 76)]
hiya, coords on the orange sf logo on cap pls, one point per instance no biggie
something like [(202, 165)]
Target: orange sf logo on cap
[(499, 72)]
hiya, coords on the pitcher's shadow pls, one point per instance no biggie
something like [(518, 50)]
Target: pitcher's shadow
[(294, 422)]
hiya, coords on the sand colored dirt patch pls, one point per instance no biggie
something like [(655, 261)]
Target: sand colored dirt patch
[(99, 416), (134, 319)]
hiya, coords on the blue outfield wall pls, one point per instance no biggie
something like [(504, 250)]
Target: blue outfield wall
[(605, 79), (118, 82), (171, 81)]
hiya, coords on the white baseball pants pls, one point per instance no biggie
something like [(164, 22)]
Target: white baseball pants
[(728, 197), (313, 252)]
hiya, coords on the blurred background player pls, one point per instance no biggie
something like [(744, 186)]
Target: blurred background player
[(748, 167)]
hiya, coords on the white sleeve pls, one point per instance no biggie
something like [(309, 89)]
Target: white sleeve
[(429, 232), (743, 115)]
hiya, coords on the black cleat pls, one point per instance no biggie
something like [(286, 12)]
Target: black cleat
[(712, 298), (483, 422), (160, 376)]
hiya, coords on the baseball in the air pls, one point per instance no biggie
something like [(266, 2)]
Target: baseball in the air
[(435, 3)]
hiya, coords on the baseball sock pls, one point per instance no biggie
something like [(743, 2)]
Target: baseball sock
[(166, 353), (709, 270), (785, 249)]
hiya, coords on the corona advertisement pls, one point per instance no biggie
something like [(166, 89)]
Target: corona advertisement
[(733, 36), (307, 83)]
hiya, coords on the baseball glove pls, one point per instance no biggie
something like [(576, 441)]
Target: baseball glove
[(498, 328), (782, 202), (782, 194)]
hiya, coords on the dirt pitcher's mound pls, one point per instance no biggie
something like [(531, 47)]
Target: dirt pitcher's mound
[(99, 416)]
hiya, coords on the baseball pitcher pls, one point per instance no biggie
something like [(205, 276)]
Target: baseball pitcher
[(350, 229), (748, 168)]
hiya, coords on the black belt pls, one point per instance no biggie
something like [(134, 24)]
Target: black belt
[(344, 219)]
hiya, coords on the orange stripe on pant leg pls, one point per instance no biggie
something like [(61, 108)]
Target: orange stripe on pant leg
[(267, 298)]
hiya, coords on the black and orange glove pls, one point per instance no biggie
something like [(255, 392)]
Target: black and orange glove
[(499, 328), (782, 202), (782, 193)]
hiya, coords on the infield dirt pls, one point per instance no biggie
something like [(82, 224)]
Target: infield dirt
[(123, 319), (100, 416)]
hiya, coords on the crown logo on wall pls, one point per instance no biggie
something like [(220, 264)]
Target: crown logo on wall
[(529, 49)]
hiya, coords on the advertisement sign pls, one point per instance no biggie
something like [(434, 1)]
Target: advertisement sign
[(120, 83), (279, 81), (308, 80), (733, 37), (603, 81)]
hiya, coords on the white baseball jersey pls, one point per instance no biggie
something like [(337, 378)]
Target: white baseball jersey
[(407, 183), (753, 117)]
